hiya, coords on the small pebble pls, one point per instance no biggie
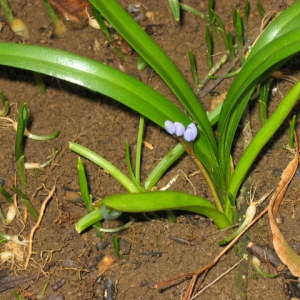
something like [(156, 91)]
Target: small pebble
[(59, 284), (277, 172), (69, 263), (110, 289), (99, 279)]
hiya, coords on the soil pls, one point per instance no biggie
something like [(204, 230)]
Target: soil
[(69, 262)]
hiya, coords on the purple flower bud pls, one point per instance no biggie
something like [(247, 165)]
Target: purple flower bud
[(170, 127), (191, 133), (179, 129)]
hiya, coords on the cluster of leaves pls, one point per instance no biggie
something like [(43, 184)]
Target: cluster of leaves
[(275, 45)]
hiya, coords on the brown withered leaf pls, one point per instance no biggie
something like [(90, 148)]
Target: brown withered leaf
[(75, 11), (105, 263), (287, 255)]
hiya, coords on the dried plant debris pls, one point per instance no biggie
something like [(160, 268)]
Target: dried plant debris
[(269, 256), (285, 252)]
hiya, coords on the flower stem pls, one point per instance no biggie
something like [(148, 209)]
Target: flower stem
[(190, 151)]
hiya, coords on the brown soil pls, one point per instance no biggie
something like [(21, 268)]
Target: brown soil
[(69, 261)]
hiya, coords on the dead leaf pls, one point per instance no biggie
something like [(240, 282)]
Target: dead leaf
[(287, 255), (75, 11), (106, 262)]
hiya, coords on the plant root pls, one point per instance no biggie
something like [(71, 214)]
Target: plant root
[(37, 224)]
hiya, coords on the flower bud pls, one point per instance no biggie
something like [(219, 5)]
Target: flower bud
[(170, 127), (179, 129), (190, 133)]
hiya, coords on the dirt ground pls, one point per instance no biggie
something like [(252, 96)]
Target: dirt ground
[(69, 262)]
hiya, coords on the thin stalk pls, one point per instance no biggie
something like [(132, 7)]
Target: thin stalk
[(130, 169), (7, 11), (230, 45), (117, 229), (193, 68), (88, 220), (139, 145), (221, 28), (190, 151), (194, 11), (246, 14), (106, 165), (117, 246), (60, 27), (22, 123), (263, 101), (102, 24), (238, 24), (40, 83), (6, 194), (260, 9), (34, 213), (292, 130), (175, 7), (20, 160), (169, 159), (83, 185)]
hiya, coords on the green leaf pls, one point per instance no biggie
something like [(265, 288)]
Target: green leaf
[(262, 137), (167, 200), (95, 76), (22, 124), (88, 220), (106, 165), (83, 184), (175, 7), (206, 146), (277, 44)]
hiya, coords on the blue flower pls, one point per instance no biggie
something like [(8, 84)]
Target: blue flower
[(190, 133), (170, 127), (179, 129)]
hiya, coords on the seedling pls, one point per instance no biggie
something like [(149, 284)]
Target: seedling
[(60, 28), (16, 24), (20, 160), (21, 129)]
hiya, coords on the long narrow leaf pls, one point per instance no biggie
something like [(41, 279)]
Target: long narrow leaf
[(167, 200), (108, 81), (157, 59), (106, 165), (205, 146), (262, 137), (253, 72), (92, 75)]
